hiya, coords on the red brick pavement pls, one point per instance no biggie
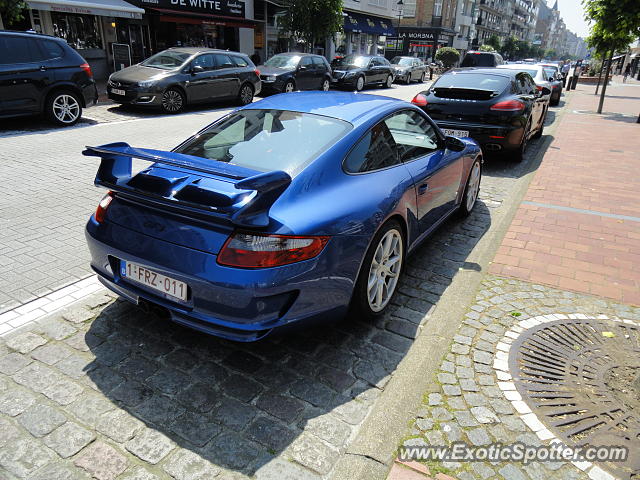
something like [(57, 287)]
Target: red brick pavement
[(593, 163)]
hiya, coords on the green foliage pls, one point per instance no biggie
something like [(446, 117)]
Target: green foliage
[(594, 67), (448, 56), (312, 20), (510, 47), (494, 41), (550, 53), (12, 10), (486, 48), (614, 23)]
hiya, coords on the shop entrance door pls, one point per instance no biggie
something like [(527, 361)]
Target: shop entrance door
[(137, 37)]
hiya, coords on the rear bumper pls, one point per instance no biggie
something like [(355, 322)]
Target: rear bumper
[(489, 137), (238, 304), (90, 94)]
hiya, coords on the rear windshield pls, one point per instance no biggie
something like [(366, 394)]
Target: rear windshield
[(478, 81), (402, 61), (166, 60), (479, 60), (283, 61), (549, 73), (267, 140)]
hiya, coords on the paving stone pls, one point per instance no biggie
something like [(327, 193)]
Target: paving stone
[(280, 469), (102, 461), (448, 367), (512, 472), (63, 391), (482, 470), (51, 353), (138, 473), (475, 399), (76, 365), (186, 465), (55, 329), (83, 341), (230, 450), (8, 432), (78, 315), (351, 411), (513, 423), (447, 378), (372, 372), (440, 413), (132, 393), (13, 362), (169, 380), (118, 425), (486, 380), (103, 379), (464, 372), (150, 446), (209, 373), (41, 419), (456, 403), (25, 342), (336, 379), (199, 398), (478, 436), (313, 454), (233, 414), (482, 369), (110, 353), (15, 401), (24, 456), (435, 437), (243, 362), (468, 385), (460, 349), (451, 390), (484, 415), (482, 357), (271, 433), (69, 439), (435, 399), (330, 429), (403, 327), (59, 471), (286, 408), (453, 432), (89, 406), (241, 388), (159, 409), (465, 419), (194, 428)]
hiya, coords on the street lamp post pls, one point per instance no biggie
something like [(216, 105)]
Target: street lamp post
[(399, 4)]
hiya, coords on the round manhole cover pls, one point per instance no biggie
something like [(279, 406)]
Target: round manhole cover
[(581, 377)]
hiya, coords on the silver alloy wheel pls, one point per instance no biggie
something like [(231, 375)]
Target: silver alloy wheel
[(473, 186), (66, 108), (384, 271), (246, 95), (422, 77), (172, 101), (360, 83), (325, 85), (390, 81), (288, 88)]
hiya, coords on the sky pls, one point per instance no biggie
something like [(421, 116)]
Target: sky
[(572, 13)]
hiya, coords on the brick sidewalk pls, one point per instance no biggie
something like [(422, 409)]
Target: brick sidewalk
[(578, 227)]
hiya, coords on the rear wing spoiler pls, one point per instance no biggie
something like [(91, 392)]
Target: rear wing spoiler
[(115, 173)]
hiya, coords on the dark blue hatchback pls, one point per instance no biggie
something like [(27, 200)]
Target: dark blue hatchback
[(294, 208)]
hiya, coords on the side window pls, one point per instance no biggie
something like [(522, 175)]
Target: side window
[(18, 50), (51, 49), (532, 85), (317, 61), (205, 61), (374, 151), (413, 135), (306, 62), (239, 61), (223, 61), (523, 84)]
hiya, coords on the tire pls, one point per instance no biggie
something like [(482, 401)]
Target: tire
[(245, 95), (326, 85), (379, 278), (389, 82), (423, 77), (173, 101), (471, 189), (63, 107), (289, 87), (408, 82), (359, 83), (519, 153), (556, 101), (541, 129)]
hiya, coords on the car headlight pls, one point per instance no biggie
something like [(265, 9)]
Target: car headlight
[(350, 74), (271, 78), (146, 84)]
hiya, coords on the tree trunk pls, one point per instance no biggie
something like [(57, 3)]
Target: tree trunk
[(606, 80), (600, 76)]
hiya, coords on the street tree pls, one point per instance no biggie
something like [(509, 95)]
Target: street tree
[(510, 47), (486, 48), (12, 11), (614, 25), (494, 41), (311, 21), (448, 56)]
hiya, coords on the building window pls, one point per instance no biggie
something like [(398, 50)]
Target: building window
[(380, 3), (409, 8), (437, 8), (80, 31)]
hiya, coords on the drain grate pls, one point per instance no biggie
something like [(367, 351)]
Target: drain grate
[(582, 379)]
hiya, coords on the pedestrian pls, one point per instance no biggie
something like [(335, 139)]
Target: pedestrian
[(627, 71), (565, 73), (255, 58)]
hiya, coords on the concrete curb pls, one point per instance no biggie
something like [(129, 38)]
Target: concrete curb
[(371, 453)]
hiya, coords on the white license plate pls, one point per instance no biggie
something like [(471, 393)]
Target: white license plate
[(117, 91), (455, 133), (167, 285)]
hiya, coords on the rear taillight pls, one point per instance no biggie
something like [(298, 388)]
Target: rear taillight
[(539, 88), (251, 250), (101, 211), (508, 106), (420, 100), (257, 72), (87, 68)]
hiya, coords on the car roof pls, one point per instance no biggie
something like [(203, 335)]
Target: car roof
[(520, 66), (482, 70), (296, 54), (194, 50), (30, 34), (476, 52), (348, 106)]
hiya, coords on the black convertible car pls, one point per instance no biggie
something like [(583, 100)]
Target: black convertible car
[(500, 109)]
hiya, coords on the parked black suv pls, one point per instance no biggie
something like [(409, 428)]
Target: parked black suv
[(287, 72), (42, 74), (356, 71), (173, 78)]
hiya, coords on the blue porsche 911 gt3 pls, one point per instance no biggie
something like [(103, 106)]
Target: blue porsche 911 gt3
[(297, 207)]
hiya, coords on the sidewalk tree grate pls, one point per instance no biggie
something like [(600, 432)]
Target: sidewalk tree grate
[(582, 380)]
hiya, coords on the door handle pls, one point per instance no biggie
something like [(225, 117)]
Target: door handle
[(422, 189), (42, 68)]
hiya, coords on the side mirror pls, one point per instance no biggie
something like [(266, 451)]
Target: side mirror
[(454, 144), (196, 69), (545, 91), (551, 79)]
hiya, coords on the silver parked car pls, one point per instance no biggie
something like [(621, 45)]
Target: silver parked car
[(407, 69)]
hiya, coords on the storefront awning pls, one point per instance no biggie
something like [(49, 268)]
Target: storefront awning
[(203, 18), (361, 23), (105, 8)]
